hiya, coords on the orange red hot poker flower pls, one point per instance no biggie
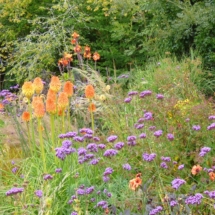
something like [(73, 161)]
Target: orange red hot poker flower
[(38, 85), (26, 116), (28, 89), (55, 84), (89, 91), (68, 88)]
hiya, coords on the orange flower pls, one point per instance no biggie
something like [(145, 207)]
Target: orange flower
[(36, 99), (196, 169), (26, 116), (63, 100), (52, 95), (75, 35), (212, 176), (73, 41), (68, 88), (96, 56), (39, 109), (89, 92), (92, 107), (63, 62), (77, 48), (135, 183), (38, 85), (67, 56), (51, 106), (55, 84), (1, 107), (138, 175), (87, 55), (87, 49), (28, 89)]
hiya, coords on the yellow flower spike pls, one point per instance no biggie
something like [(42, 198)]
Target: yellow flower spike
[(55, 84), (28, 89), (38, 85)]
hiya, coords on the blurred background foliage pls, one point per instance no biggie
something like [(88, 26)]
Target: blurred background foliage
[(127, 34)]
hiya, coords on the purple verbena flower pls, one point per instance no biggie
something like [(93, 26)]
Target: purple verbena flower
[(96, 139), (71, 134), (194, 200), (128, 99), (180, 167), (101, 146), (78, 139), (211, 194), (106, 178), (66, 144), (132, 93), (38, 193), (196, 127), (94, 161), (102, 204), (61, 136), (131, 138), (126, 166), (140, 120), (47, 177), (160, 96), (148, 116), (119, 145), (92, 147), (80, 191), (112, 138), (163, 165), (108, 171), (145, 93), (148, 157), (60, 153), (158, 133), (82, 151), (167, 159), (14, 170), (155, 211), (110, 152), (142, 136), (152, 128), (58, 170), (89, 190), (170, 137), (139, 126), (177, 182), (173, 203), (74, 213), (14, 191), (211, 117), (204, 151)]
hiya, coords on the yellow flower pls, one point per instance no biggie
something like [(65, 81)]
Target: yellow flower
[(28, 89), (38, 85), (102, 97), (107, 88), (55, 84)]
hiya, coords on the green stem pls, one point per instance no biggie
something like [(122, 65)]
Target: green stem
[(92, 119), (42, 144), (29, 138), (63, 122)]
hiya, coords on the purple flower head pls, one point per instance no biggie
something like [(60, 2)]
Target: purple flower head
[(204, 151), (88, 136), (187, 119), (180, 167), (71, 134), (82, 151), (131, 143), (89, 156), (60, 153), (47, 177), (108, 171), (132, 93), (177, 182), (92, 199), (96, 139), (173, 203), (112, 138), (110, 152), (70, 201), (92, 147), (109, 195), (196, 127), (74, 213), (94, 161), (126, 166), (148, 116), (155, 211), (106, 178), (66, 144), (80, 191), (14, 170), (158, 133), (170, 137), (148, 157), (152, 128), (102, 204), (86, 130), (174, 162), (142, 136), (89, 190), (194, 200), (163, 165), (128, 99), (211, 126), (131, 138), (139, 126), (145, 93), (119, 145), (14, 191), (61, 136), (211, 117), (38, 193), (58, 170), (211, 194), (160, 96), (140, 120), (101, 146), (78, 139), (167, 159)]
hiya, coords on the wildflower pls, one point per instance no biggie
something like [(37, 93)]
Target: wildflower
[(119, 145), (75, 35), (132, 93), (160, 96), (63, 61), (170, 137), (60, 153), (82, 151), (135, 183), (66, 143), (108, 171), (139, 126), (26, 116), (148, 116), (51, 95), (156, 210), (211, 117), (80, 192), (148, 157), (38, 85), (77, 48), (101, 146), (163, 165), (70, 134), (28, 89), (87, 53), (204, 151), (39, 109), (86, 130), (173, 203), (128, 99), (196, 127), (142, 136), (176, 183), (107, 88), (106, 178), (55, 84), (211, 126), (92, 107), (210, 194), (158, 133), (126, 166), (68, 88), (14, 191), (131, 138), (212, 176), (92, 147), (167, 159), (1, 107), (102, 97), (112, 138), (152, 128), (194, 200), (51, 106), (145, 93), (96, 56), (38, 193), (196, 169), (47, 177), (14, 170), (102, 204), (110, 152), (89, 91), (63, 100), (74, 213), (94, 161), (78, 139), (58, 170), (96, 139), (180, 167)]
